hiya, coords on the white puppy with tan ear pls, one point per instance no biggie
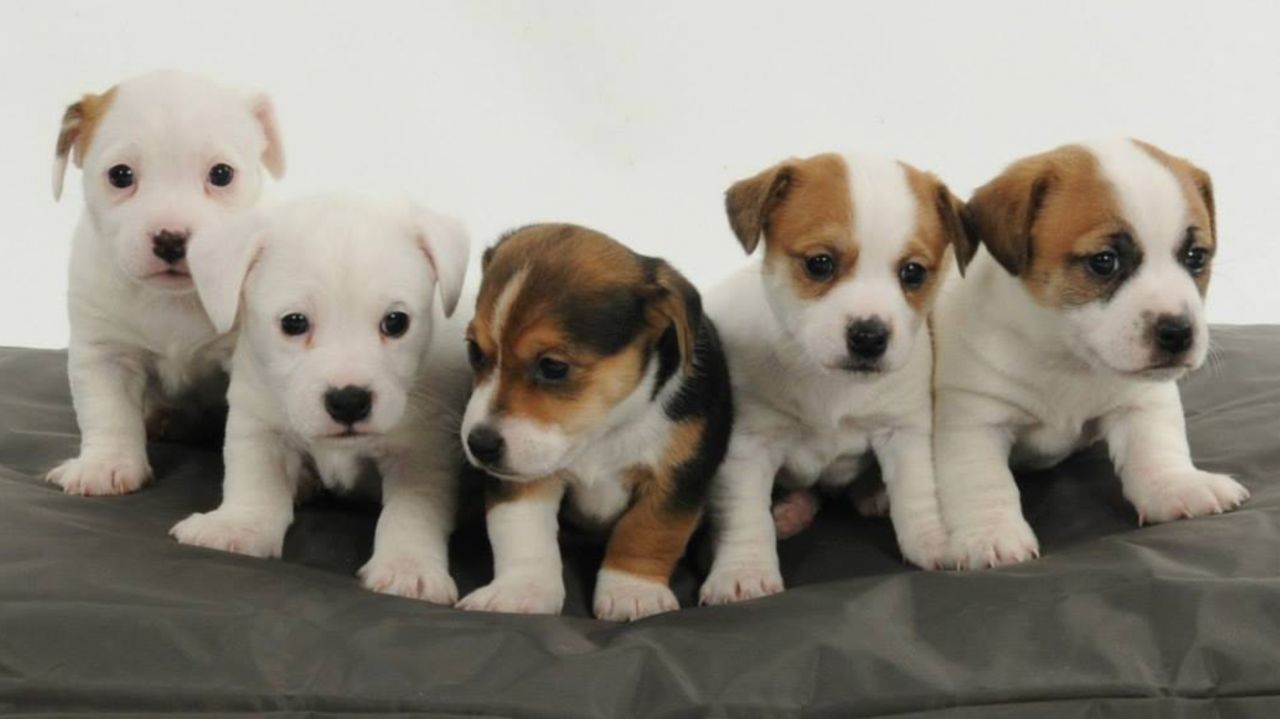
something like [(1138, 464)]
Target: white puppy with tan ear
[(343, 362), (164, 156), (1073, 327)]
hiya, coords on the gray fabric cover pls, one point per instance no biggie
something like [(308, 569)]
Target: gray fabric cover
[(101, 612)]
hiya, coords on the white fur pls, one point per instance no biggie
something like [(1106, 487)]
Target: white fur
[(1018, 382), (345, 264), (797, 411), (138, 335)]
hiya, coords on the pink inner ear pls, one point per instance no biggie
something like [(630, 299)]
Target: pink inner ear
[(273, 155)]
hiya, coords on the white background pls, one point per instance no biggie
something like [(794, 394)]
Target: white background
[(634, 117)]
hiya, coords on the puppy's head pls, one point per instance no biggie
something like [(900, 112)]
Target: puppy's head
[(574, 335), (334, 298), (1115, 237), (855, 248), (163, 156)]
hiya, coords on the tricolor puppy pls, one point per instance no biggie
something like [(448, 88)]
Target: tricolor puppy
[(164, 156), (1072, 327), (830, 353), (343, 362), (595, 373)]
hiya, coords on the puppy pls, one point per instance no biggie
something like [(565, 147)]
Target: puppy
[(1074, 326), (596, 374), (343, 362), (164, 156), (829, 351)]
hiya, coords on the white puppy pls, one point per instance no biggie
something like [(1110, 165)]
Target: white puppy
[(342, 361), (829, 351), (1073, 327), (164, 156)]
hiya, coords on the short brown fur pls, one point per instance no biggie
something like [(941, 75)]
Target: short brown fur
[(80, 124)]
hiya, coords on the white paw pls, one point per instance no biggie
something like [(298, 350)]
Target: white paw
[(738, 581), (525, 593), (94, 475), (993, 543), (926, 546), (412, 577), (624, 597), (232, 531), (1182, 495), (795, 512), (875, 504)]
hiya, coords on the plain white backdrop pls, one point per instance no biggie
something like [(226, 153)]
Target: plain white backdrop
[(634, 117)]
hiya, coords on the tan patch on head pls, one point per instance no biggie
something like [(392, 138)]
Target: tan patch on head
[(1197, 189), (940, 225), (1043, 217), (80, 124)]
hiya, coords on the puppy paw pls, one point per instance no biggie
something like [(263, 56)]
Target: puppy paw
[(625, 597), (1186, 494), (532, 593), (740, 581), (95, 475), (231, 531), (794, 512), (407, 576), (926, 547), (875, 504), (994, 543)]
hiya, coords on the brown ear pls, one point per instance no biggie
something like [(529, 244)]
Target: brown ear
[(1205, 185), (78, 124), (679, 305), (1003, 211), (748, 203), (957, 224)]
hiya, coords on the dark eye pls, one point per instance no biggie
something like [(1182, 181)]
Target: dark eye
[(295, 324), (395, 324), (820, 267), (1105, 263), (912, 275), (550, 370), (221, 175), (474, 355), (1195, 259), (120, 176)]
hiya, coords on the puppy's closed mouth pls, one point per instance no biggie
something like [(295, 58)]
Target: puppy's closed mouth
[(860, 367)]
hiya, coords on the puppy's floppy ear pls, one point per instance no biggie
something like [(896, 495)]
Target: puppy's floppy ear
[(678, 304), (264, 111), (220, 259), (957, 224), (448, 248), (78, 123), (748, 202), (1204, 184), (1003, 211)]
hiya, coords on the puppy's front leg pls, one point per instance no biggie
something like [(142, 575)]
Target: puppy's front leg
[(1148, 443), (523, 524), (257, 494), (411, 544), (746, 551), (979, 497), (106, 389), (906, 463)]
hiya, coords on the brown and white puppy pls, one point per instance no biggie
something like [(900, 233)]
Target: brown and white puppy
[(828, 342), (1072, 327), (596, 374)]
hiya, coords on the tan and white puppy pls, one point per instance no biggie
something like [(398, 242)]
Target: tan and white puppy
[(1073, 327), (829, 351), (164, 156), (343, 362)]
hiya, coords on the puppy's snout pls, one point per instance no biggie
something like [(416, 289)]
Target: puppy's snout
[(349, 404), (867, 339), (1174, 333), (170, 245), (485, 444)]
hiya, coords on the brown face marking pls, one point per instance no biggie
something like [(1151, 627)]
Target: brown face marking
[(80, 123), (1044, 216), (940, 224), (1197, 188)]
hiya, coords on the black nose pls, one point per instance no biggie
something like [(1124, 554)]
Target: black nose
[(349, 404), (867, 339), (1174, 333), (485, 444), (170, 246)]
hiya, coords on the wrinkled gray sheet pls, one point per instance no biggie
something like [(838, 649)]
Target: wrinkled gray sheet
[(101, 612)]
